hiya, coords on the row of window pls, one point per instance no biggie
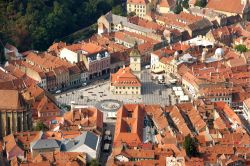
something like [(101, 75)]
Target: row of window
[(137, 6), (125, 87), (221, 99), (137, 10), (120, 92)]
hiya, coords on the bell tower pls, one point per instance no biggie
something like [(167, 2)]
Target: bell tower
[(135, 61)]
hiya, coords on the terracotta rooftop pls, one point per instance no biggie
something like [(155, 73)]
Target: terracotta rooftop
[(125, 77), (10, 99), (129, 124), (179, 121), (226, 6), (88, 48), (167, 3), (137, 1), (85, 117)]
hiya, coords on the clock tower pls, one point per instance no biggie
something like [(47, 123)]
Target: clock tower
[(135, 61)]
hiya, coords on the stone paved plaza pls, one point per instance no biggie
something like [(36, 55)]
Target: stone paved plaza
[(152, 93)]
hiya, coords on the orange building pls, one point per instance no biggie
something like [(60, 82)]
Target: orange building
[(129, 124)]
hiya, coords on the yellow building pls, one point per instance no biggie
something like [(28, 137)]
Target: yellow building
[(139, 7), (124, 82)]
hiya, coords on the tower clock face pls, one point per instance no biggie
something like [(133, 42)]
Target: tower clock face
[(135, 59)]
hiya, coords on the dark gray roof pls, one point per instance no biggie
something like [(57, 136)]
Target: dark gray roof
[(91, 140), (67, 145), (46, 144), (201, 24), (87, 138)]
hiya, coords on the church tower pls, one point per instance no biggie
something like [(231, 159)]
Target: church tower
[(135, 61)]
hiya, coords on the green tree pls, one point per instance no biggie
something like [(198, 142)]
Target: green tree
[(131, 14), (178, 9), (35, 24), (40, 126), (93, 162), (201, 3), (118, 11), (190, 146), (185, 4), (240, 48)]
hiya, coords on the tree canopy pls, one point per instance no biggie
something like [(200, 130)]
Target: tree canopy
[(40, 126), (178, 8), (93, 162), (190, 146), (201, 3), (35, 24), (241, 48)]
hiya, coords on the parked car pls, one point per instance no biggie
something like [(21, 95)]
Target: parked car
[(58, 91)]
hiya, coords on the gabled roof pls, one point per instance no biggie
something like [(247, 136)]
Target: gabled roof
[(167, 3), (226, 6), (9, 99), (46, 144), (87, 138), (125, 77)]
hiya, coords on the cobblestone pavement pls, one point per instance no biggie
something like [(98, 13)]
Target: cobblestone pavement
[(152, 93)]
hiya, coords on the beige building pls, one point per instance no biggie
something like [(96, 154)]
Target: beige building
[(246, 108), (135, 61), (139, 7), (15, 114)]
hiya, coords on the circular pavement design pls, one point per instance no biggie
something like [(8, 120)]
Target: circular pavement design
[(109, 105)]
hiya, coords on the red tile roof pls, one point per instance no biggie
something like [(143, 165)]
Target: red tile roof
[(89, 48), (125, 77), (89, 117), (137, 1), (167, 3), (129, 124), (226, 6)]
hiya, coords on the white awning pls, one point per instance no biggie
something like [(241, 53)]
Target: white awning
[(184, 98)]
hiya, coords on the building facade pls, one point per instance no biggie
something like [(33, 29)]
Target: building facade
[(139, 7), (124, 82), (246, 108)]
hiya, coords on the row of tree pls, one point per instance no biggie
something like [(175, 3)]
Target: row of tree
[(35, 24)]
